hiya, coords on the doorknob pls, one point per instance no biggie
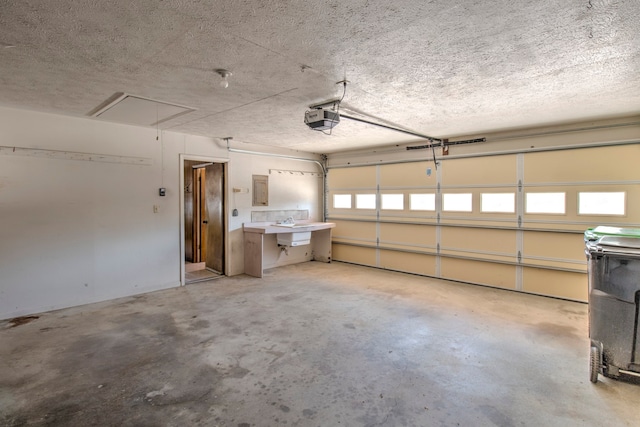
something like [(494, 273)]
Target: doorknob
[(205, 222)]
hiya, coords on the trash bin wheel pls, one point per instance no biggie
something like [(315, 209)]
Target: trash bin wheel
[(594, 364)]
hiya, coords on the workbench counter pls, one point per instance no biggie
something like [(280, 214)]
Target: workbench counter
[(271, 228), (254, 242)]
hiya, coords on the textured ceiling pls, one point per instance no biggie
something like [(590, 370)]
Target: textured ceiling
[(439, 67)]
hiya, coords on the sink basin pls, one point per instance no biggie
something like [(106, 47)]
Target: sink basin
[(294, 239)]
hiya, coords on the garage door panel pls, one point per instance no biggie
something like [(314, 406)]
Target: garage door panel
[(583, 165), (354, 254), (504, 258), (553, 245), (477, 223), (360, 177), (408, 262), (353, 217), (478, 239), (560, 284), (484, 273), (479, 171), (365, 231), (408, 234), (412, 219), (408, 174)]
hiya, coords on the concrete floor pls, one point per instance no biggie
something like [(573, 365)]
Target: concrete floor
[(310, 345)]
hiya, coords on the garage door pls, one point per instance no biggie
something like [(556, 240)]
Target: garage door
[(511, 221)]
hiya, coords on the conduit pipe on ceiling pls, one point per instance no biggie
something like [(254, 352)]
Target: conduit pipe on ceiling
[(302, 159)]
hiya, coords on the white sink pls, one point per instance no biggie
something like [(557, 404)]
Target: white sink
[(294, 239)]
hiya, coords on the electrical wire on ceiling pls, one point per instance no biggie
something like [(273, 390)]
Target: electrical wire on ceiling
[(336, 106)]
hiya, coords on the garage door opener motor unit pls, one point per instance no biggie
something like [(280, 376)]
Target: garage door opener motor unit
[(321, 119)]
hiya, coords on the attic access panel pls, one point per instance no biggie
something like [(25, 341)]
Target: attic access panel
[(137, 110)]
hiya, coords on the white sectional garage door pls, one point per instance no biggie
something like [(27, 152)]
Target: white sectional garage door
[(512, 221)]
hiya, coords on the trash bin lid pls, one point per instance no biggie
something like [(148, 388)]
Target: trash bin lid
[(613, 236)]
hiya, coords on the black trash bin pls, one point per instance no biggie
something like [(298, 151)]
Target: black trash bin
[(613, 256)]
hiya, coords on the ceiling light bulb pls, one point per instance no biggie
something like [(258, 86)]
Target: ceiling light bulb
[(225, 74)]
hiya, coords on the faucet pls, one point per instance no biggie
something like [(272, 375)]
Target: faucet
[(288, 221)]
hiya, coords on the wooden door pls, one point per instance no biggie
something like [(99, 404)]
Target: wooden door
[(213, 230), (189, 214), (203, 220), (193, 212)]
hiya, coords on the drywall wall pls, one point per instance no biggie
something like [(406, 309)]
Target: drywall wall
[(77, 199), (287, 191)]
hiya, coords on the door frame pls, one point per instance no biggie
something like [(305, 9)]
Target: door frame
[(225, 163)]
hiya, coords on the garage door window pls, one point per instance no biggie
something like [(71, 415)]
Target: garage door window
[(342, 201), (457, 202), (422, 202), (601, 203), (392, 201), (545, 203), (365, 201), (498, 202)]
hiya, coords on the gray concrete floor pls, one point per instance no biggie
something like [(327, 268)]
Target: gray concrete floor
[(310, 345)]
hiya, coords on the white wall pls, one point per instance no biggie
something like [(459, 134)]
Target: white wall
[(286, 192), (76, 229)]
